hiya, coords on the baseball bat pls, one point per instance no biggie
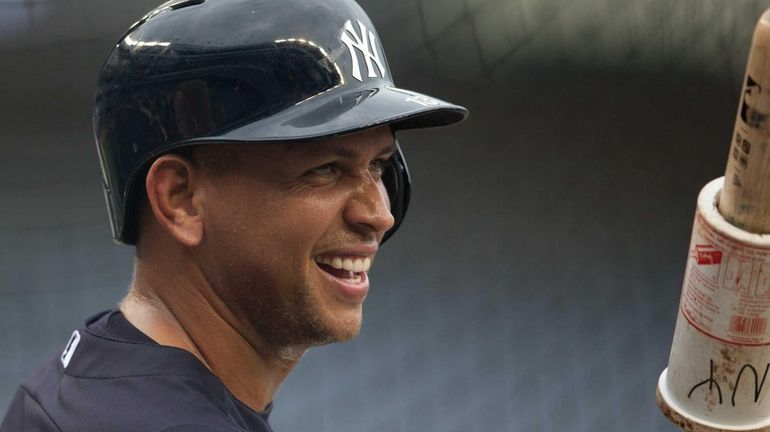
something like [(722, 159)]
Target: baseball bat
[(717, 374)]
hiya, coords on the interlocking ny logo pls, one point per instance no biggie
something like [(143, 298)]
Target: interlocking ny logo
[(366, 44)]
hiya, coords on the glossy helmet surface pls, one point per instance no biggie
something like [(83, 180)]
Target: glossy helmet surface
[(233, 71)]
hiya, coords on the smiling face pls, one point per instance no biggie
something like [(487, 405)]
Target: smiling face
[(290, 231)]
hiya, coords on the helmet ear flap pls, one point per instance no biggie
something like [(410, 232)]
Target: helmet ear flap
[(398, 184)]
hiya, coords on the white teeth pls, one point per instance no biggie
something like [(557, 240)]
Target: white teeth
[(358, 265), (336, 263), (355, 265)]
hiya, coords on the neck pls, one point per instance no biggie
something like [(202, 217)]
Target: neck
[(175, 306)]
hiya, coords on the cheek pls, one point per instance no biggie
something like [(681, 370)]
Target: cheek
[(294, 223), (271, 232)]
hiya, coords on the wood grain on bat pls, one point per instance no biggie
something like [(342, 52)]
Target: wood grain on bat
[(745, 199)]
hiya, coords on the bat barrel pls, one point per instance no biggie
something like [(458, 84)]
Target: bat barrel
[(745, 200)]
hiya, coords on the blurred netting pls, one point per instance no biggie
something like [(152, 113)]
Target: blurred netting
[(533, 286), (462, 40)]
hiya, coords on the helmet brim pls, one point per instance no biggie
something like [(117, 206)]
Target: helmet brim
[(336, 113)]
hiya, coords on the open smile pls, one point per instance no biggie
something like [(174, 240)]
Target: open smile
[(348, 274), (350, 268)]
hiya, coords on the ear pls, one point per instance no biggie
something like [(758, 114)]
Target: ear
[(171, 191)]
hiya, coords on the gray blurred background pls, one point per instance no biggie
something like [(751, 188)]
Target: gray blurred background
[(535, 283)]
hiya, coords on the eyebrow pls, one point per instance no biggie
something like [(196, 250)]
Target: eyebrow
[(352, 154)]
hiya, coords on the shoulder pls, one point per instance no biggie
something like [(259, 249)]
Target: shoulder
[(25, 413), (101, 383), (146, 403)]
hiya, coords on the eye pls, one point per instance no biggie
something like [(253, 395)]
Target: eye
[(378, 167), (326, 171)]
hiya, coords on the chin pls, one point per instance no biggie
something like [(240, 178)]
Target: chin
[(342, 330), (349, 332)]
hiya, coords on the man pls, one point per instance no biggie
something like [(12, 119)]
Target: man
[(248, 152)]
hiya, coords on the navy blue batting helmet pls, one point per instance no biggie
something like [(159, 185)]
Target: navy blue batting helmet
[(225, 71)]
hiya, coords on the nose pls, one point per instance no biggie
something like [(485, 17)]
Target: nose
[(369, 208)]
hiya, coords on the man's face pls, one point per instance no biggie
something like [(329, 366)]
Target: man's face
[(290, 231)]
